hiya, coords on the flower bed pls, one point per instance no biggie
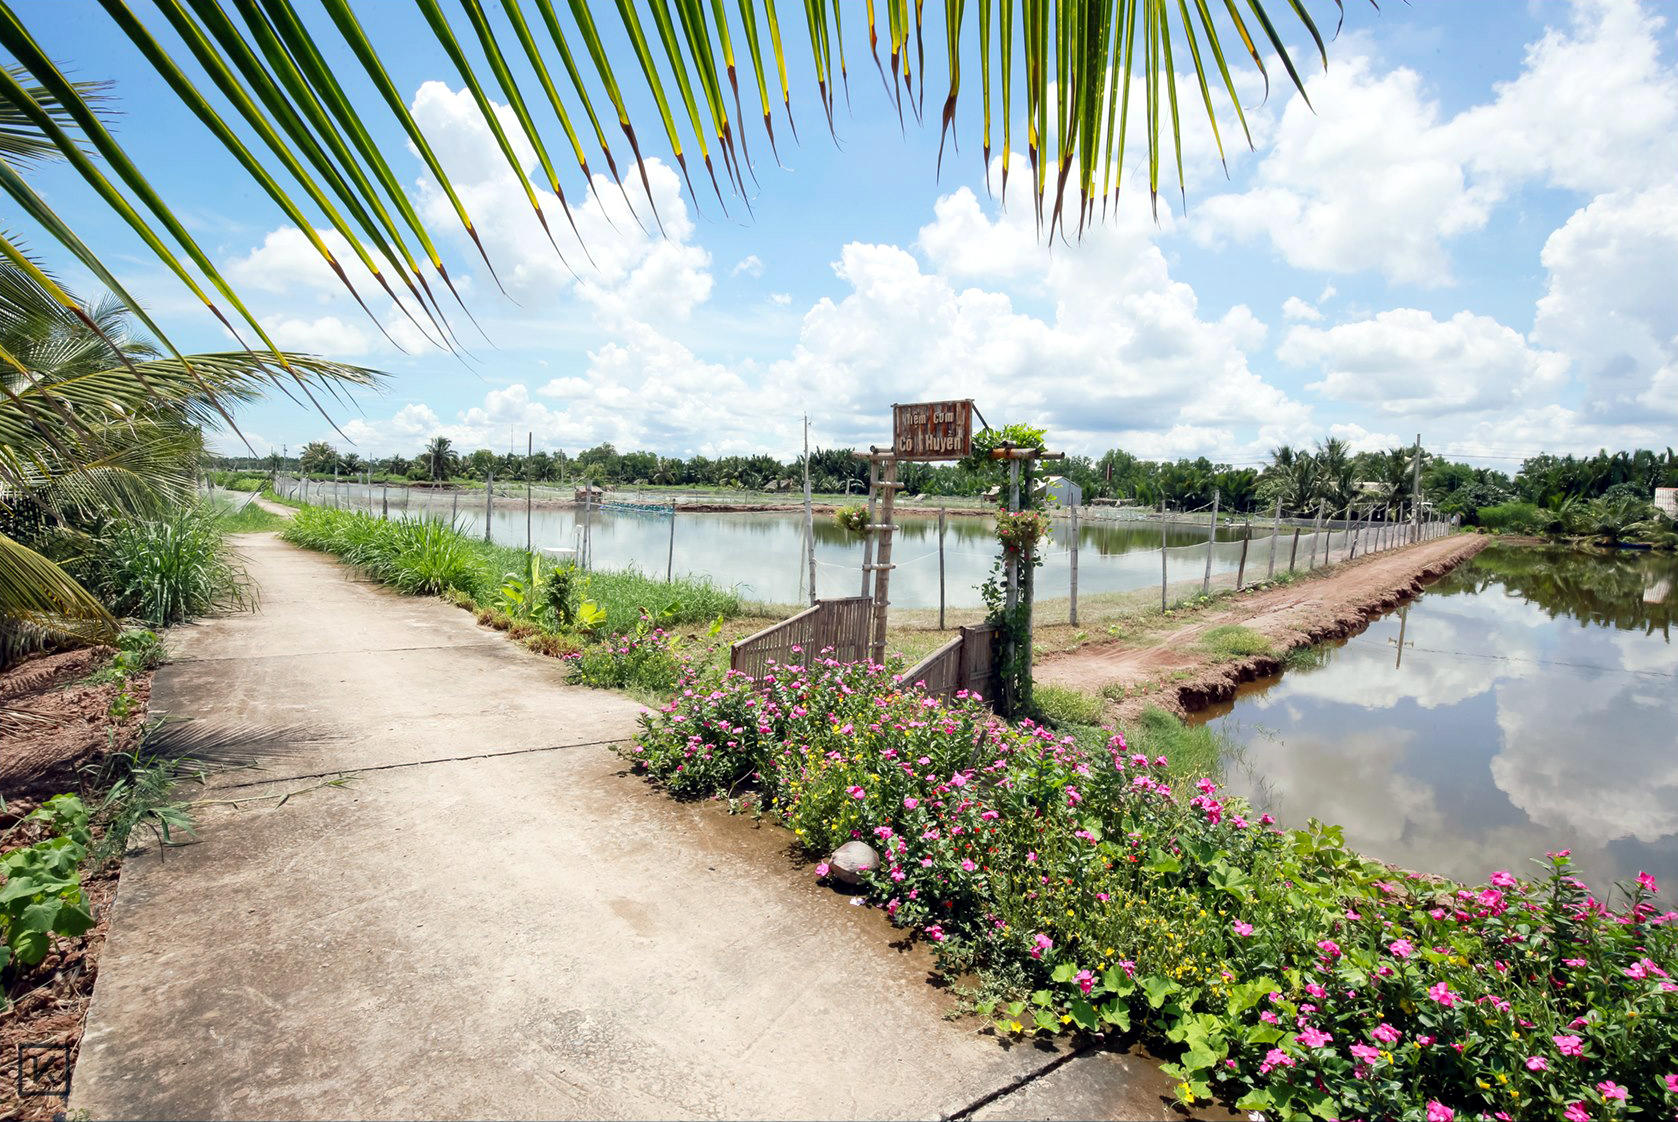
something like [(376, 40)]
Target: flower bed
[(1296, 976)]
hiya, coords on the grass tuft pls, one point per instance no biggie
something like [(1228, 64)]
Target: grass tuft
[(1234, 641)]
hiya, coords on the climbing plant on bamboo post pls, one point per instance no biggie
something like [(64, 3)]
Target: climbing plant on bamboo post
[(1007, 457)]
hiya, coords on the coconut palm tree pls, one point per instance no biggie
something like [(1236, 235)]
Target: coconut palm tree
[(303, 131), (94, 425), (439, 458)]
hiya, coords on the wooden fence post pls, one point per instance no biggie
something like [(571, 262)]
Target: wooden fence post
[(1241, 569), (868, 535), (1162, 525), (489, 504), (1211, 536), (1074, 609), (940, 568), (670, 556), (1275, 528), (882, 558), (1293, 553)]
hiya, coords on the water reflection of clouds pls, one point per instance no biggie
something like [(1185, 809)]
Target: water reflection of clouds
[(1533, 734)]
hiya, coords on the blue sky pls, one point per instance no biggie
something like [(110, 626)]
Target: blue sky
[(1474, 237)]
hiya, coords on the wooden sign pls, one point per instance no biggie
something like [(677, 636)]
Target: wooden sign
[(932, 430)]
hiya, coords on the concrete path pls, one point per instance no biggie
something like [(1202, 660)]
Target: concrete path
[(494, 920)]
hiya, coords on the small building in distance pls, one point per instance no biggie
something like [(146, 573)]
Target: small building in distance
[(588, 493), (1062, 492), (1666, 501)]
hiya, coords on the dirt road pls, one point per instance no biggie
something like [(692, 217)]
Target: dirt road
[(492, 919), (1165, 667)]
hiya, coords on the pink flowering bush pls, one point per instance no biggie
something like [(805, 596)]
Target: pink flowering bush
[(1288, 974)]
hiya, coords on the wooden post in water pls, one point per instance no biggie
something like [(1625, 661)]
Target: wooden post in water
[(454, 503), (940, 568), (1211, 536), (489, 503), (1275, 528), (670, 557), (1162, 525), (1074, 608), (384, 501), (1241, 569)]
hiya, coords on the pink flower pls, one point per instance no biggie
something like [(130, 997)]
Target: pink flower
[(1365, 1052), (1073, 798), (1636, 970), (1439, 1112), (1386, 1034), (1671, 1083), (958, 780), (1206, 786), (1313, 1038), (1648, 882), (1576, 1112), (1275, 1058), (1266, 820), (1315, 990), (1086, 981), (935, 933), (1401, 948), (1503, 880), (1041, 943), (911, 803), (1330, 948), (1611, 1090), (1537, 1063), (856, 792), (822, 870), (967, 866), (1441, 993), (1031, 855), (1425, 1041), (1244, 930), (1569, 1045), (1268, 1017)]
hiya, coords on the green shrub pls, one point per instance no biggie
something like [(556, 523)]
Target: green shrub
[(168, 570), (41, 887), (250, 519), (1233, 641), (649, 663), (1513, 518)]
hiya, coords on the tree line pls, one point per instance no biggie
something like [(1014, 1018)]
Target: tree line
[(1326, 477)]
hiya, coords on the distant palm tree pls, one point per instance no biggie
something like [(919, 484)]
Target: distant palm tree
[(439, 458)]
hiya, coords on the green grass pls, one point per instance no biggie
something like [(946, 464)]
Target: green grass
[(1233, 641), (1061, 707), (1194, 750), (250, 519), (430, 557), (167, 570)]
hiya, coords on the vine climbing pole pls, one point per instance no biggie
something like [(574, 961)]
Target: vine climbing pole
[(1015, 698)]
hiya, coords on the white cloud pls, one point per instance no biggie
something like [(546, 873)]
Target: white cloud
[(1126, 357), (1293, 308), (781, 298), (751, 265), (1613, 272), (1405, 363), (1379, 178)]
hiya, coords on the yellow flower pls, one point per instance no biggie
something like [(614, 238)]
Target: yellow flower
[(1015, 1026), (1185, 1093)]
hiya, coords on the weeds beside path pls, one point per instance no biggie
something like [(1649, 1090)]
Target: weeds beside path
[(492, 919), (1187, 659)]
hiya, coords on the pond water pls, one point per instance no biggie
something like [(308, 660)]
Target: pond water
[(763, 553), (1532, 707)]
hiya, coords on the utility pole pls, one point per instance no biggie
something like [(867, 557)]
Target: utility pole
[(1416, 491)]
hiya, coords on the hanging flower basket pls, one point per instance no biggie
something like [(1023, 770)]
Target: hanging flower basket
[(853, 518), (1020, 531)]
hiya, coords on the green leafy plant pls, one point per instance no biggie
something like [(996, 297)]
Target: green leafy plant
[(853, 518), (138, 793), (40, 885)]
